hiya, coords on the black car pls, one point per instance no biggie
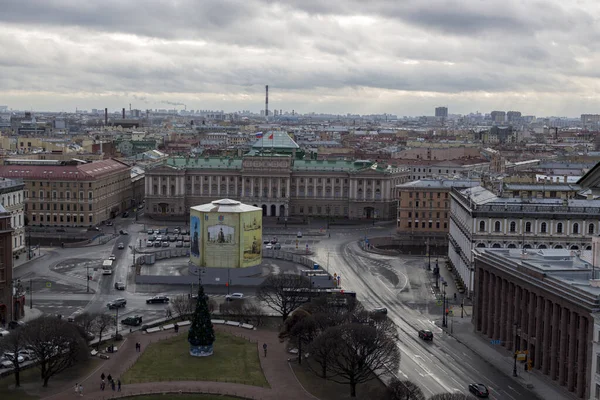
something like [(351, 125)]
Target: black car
[(157, 299), (426, 334), (15, 324), (479, 390), (118, 303), (125, 214), (380, 310), (133, 320)]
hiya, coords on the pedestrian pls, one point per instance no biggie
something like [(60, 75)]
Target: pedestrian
[(76, 388), (176, 328), (119, 385), (139, 347), (102, 376), (102, 385), (109, 378), (265, 348), (80, 389), (113, 385)]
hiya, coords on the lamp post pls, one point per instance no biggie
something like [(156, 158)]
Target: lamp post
[(328, 211), (29, 244), (444, 317)]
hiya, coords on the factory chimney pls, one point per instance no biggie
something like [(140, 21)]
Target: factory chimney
[(267, 102), (123, 112), (106, 116)]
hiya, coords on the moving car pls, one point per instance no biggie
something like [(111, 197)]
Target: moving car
[(121, 246), (122, 232), (157, 299), (426, 334), (109, 223), (133, 320), (119, 286), (299, 234), (479, 389), (380, 310), (234, 296), (150, 231), (112, 257), (117, 303)]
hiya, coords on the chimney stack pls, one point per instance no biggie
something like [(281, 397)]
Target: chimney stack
[(267, 102), (106, 116), (123, 112)]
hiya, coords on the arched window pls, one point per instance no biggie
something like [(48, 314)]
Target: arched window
[(543, 227), (559, 227), (513, 226), (542, 246), (528, 227), (481, 245), (481, 226), (575, 228), (591, 229), (496, 245), (497, 226), (512, 246)]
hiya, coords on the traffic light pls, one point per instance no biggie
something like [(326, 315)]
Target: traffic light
[(226, 284)]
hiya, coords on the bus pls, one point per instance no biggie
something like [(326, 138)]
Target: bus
[(107, 267), (339, 297)]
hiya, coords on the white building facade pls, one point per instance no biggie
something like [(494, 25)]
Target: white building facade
[(12, 198), (480, 219)]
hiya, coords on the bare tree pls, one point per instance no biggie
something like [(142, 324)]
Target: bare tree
[(452, 396), (283, 293), (56, 344), (12, 344), (321, 352), (358, 352), (252, 313), (303, 333), (86, 323), (183, 305), (404, 390), (101, 323)]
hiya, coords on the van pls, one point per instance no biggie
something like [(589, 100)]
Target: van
[(107, 267)]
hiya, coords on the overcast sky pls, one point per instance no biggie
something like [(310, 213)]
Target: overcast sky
[(361, 56)]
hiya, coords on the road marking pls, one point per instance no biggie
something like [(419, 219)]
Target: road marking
[(508, 394)]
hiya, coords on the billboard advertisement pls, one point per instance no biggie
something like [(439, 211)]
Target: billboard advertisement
[(195, 236), (251, 237), (220, 237)]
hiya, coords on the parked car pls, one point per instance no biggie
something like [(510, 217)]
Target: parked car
[(277, 246), (119, 286), (234, 296), (165, 244), (4, 332), (179, 244), (150, 231), (380, 310), (122, 232), (157, 243), (299, 234), (27, 354), (151, 238), (172, 238), (112, 257), (149, 243), (109, 223), (176, 231), (159, 238), (266, 241), (11, 356), (117, 303), (183, 231), (426, 334), (269, 246), (156, 231), (15, 324), (121, 246), (479, 389), (125, 214), (157, 299), (133, 320)]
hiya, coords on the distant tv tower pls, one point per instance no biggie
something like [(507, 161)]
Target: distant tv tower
[(267, 103)]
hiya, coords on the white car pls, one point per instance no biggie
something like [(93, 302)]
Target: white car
[(299, 234), (269, 246), (4, 333), (112, 257), (121, 246), (27, 354), (149, 244), (234, 296)]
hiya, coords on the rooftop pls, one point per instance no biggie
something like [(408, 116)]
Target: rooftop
[(276, 140), (225, 206), (440, 183)]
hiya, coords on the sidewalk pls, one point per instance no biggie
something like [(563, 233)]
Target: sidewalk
[(39, 253), (278, 372)]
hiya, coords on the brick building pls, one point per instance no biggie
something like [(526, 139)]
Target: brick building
[(72, 193), (545, 304)]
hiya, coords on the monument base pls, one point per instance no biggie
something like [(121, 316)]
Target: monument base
[(201, 351)]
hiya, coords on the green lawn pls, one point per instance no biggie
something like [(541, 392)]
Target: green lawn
[(234, 360), (169, 396)]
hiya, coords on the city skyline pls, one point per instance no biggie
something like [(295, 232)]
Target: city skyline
[(338, 57)]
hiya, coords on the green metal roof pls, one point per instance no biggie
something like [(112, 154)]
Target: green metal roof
[(205, 162), (331, 165)]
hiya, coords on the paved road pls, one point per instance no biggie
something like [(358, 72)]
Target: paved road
[(404, 287)]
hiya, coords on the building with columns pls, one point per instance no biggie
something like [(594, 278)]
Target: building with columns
[(282, 185), (545, 303), (480, 219)]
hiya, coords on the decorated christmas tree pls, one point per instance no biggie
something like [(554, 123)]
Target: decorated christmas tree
[(201, 335)]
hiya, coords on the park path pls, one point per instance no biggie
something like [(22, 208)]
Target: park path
[(275, 366)]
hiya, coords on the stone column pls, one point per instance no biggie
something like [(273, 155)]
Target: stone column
[(279, 189), (297, 187), (582, 356), (517, 313), (209, 186), (252, 183), (537, 358), (219, 179), (484, 300), (491, 299), (261, 189), (554, 346), (562, 353), (572, 351), (510, 317), (497, 302), (373, 188), (504, 292), (287, 188), (315, 187), (270, 188), (546, 337), (305, 187), (531, 321), (243, 187), (524, 316)]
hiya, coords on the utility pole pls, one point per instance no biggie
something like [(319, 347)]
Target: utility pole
[(87, 269), (228, 280), (117, 324), (30, 294), (327, 270)]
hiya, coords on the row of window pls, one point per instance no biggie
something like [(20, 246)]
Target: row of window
[(543, 227), (282, 180), (67, 195), (424, 214), (426, 224), (60, 218), (16, 199), (426, 203), (410, 195), (55, 207), (68, 184), (319, 210)]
